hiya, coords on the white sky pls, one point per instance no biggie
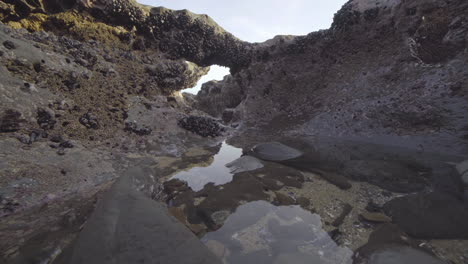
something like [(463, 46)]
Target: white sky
[(258, 20)]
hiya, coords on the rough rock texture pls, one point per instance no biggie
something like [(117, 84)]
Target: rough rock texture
[(81, 99), (89, 88), (386, 71), (131, 215), (432, 215)]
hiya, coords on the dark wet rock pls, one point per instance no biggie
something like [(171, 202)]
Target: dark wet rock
[(275, 151), (202, 126), (173, 187), (276, 176), (335, 178), (347, 208), (175, 75), (72, 84), (10, 121), (432, 215), (56, 139), (45, 118), (335, 234), (24, 139), (89, 120), (9, 44), (66, 144), (303, 163), (61, 151), (303, 202), (228, 115), (139, 130), (390, 175), (36, 135), (384, 241), (283, 199), (8, 206), (373, 207), (375, 217), (243, 188), (294, 158)]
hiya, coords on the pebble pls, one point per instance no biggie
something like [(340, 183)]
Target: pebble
[(9, 44), (283, 199)]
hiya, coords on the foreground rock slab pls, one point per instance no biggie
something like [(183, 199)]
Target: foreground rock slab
[(127, 227)]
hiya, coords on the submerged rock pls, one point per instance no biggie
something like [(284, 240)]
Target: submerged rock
[(402, 255), (275, 151), (389, 245), (243, 164), (390, 175), (433, 215)]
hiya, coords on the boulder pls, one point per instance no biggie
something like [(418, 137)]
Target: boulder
[(202, 126), (243, 164), (126, 219), (275, 151), (390, 175), (433, 215)]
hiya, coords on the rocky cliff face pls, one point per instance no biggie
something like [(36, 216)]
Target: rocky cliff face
[(82, 98), (393, 71)]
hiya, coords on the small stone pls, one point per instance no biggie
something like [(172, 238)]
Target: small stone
[(66, 144), (133, 127), (89, 121), (373, 207), (284, 199), (45, 118), (9, 44), (35, 135), (375, 217), (56, 139), (61, 151)]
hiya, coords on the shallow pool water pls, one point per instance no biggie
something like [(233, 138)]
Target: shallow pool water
[(216, 172), (259, 232)]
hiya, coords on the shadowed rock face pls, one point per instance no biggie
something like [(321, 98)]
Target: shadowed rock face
[(393, 72)]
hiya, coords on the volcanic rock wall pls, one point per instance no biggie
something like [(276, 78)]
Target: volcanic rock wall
[(386, 71)]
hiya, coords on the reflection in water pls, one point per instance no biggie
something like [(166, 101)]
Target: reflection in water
[(216, 172), (402, 255), (259, 232)]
